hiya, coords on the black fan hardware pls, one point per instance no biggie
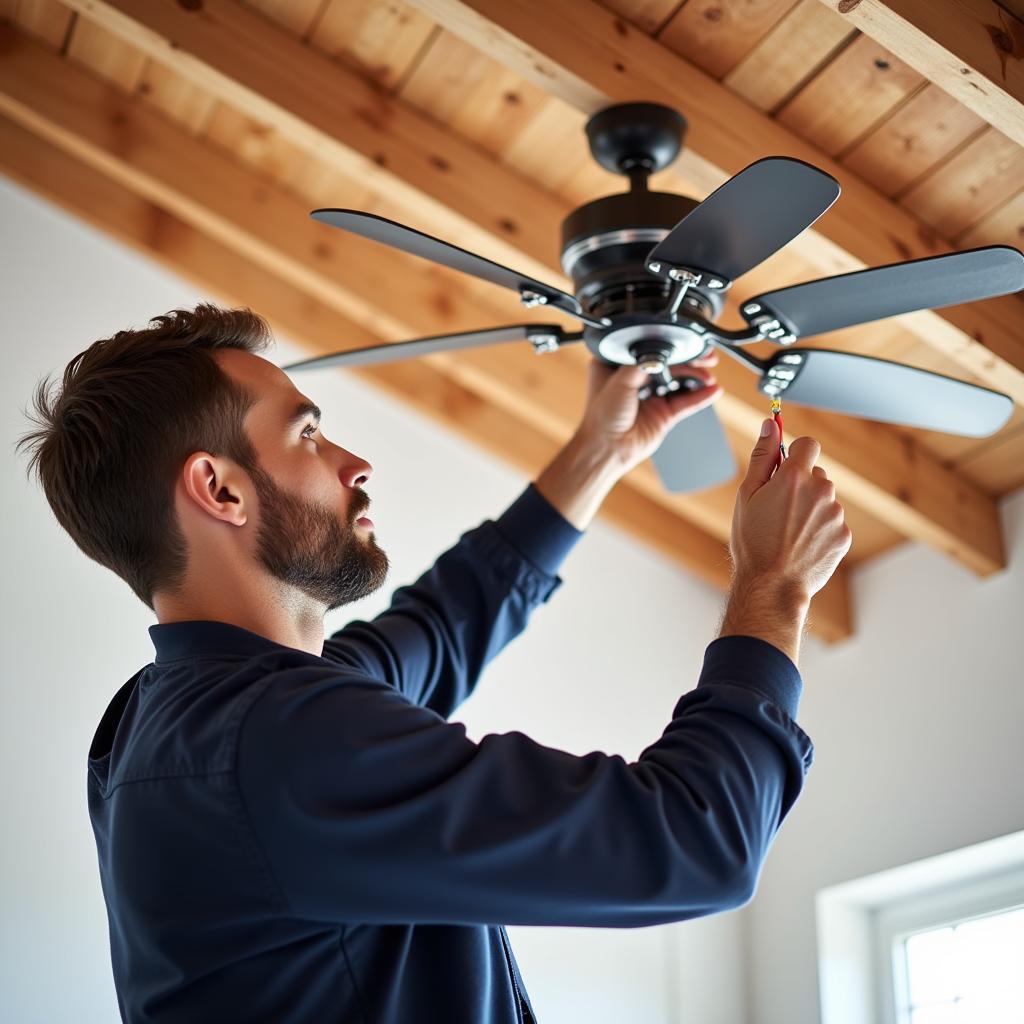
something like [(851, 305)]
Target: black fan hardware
[(650, 270)]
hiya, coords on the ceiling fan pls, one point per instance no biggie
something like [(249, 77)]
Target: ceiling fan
[(650, 271)]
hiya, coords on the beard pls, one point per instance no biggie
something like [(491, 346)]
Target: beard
[(304, 545)]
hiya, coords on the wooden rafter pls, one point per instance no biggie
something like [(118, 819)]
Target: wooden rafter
[(269, 232), (970, 48), (590, 57), (906, 487)]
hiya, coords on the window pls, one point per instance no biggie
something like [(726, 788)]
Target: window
[(938, 941), (966, 972)]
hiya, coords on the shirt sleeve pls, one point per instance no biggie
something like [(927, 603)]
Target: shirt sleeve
[(371, 809), (435, 638)]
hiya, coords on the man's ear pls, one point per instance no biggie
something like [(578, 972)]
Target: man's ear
[(213, 486)]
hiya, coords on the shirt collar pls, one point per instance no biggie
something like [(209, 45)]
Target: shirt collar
[(202, 638)]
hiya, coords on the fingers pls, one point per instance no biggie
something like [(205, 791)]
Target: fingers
[(763, 458), (803, 453), (710, 359)]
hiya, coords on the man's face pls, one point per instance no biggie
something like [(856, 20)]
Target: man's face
[(310, 501)]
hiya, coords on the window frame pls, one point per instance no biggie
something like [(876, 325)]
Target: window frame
[(894, 923), (859, 919)]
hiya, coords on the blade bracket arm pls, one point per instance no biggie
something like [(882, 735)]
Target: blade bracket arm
[(531, 297), (770, 326)]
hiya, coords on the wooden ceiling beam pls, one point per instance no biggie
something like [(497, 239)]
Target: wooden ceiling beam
[(241, 57), (970, 48), (117, 134), (591, 58), (91, 196)]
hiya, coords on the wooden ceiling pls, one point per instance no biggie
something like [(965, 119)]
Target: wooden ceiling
[(201, 132)]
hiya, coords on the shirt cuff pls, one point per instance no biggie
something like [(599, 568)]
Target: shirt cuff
[(757, 665), (538, 531)]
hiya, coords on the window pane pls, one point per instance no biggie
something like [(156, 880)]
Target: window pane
[(990, 951), (931, 968), (990, 1011), (945, 1014)]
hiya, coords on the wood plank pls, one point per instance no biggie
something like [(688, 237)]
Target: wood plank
[(1003, 226), (300, 17), (205, 186), (150, 229), (850, 95), (802, 43), (647, 15), (999, 468), (105, 54), (380, 41), (46, 20), (315, 102), (716, 36), (970, 48), (581, 53), (910, 143), (255, 142), (478, 98), (980, 177), (181, 100)]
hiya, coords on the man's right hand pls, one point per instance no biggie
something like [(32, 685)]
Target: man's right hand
[(788, 536), (788, 527)]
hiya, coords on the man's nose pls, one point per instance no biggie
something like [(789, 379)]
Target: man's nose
[(355, 471)]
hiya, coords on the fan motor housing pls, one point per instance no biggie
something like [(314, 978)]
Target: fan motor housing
[(605, 244)]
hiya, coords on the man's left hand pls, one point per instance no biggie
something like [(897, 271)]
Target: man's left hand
[(616, 421)]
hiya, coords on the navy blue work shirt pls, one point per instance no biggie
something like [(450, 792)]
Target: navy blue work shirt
[(291, 838)]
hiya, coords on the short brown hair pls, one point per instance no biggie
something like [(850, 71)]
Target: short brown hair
[(130, 410)]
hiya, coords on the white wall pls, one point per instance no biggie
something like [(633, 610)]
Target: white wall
[(585, 676), (917, 730)]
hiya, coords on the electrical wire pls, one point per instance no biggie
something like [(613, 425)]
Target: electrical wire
[(777, 414)]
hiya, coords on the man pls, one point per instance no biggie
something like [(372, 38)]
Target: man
[(288, 828)]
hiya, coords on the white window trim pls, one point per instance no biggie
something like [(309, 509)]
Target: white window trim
[(857, 920)]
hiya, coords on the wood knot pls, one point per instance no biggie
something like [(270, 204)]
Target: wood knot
[(847, 6), (191, 5), (508, 226), (439, 162), (620, 27)]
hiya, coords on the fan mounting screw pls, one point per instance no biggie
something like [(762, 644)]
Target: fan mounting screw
[(683, 276), (531, 298), (654, 268), (714, 282), (544, 343), (651, 364), (751, 308)]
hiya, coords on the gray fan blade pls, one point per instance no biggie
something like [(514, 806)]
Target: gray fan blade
[(748, 218), (830, 303), (878, 389), (550, 335), (380, 229), (695, 454)]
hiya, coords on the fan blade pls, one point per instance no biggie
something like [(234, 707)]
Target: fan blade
[(830, 303), (380, 229), (545, 337), (695, 454), (878, 389), (748, 218)]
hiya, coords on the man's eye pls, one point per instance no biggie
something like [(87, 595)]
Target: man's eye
[(306, 430)]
